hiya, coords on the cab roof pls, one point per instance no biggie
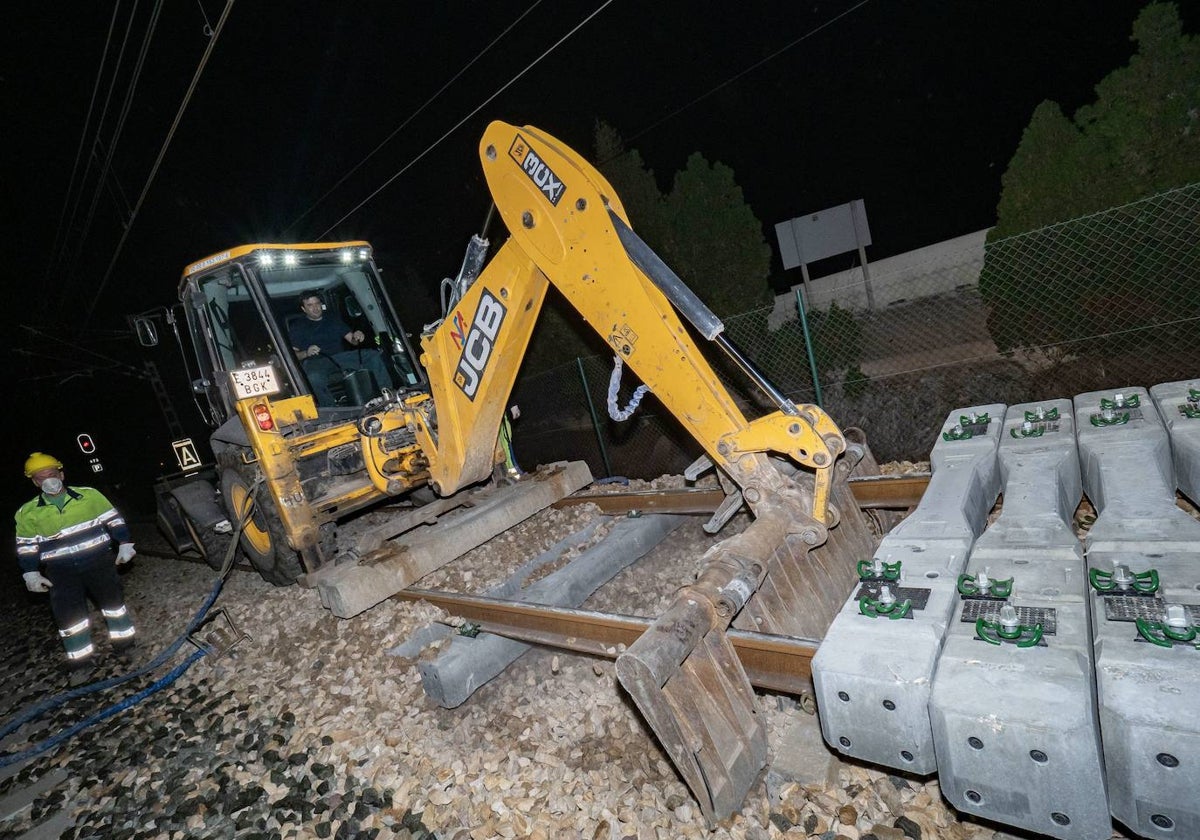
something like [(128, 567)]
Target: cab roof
[(241, 250)]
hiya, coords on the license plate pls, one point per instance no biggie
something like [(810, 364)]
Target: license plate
[(254, 382)]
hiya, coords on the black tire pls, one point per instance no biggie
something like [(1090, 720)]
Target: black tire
[(212, 547), (262, 539)]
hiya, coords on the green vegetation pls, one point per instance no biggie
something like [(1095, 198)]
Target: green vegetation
[(703, 229), (1059, 279)]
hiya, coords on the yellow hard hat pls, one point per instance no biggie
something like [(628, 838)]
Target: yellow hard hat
[(39, 461)]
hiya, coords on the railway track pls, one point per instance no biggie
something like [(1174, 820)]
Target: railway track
[(773, 663)]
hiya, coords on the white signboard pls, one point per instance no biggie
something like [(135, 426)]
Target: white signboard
[(826, 233), (186, 454)]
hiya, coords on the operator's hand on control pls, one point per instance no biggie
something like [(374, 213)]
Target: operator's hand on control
[(125, 553), (36, 582), (355, 337), (313, 350)]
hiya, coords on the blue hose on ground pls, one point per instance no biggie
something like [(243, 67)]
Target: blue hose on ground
[(103, 714), (40, 709)]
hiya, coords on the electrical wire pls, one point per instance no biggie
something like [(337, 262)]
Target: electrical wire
[(59, 259), (558, 43), (122, 117), (413, 115), (749, 69), (82, 140), (475, 111), (212, 42)]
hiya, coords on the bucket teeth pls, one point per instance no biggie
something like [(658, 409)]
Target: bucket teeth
[(683, 673)]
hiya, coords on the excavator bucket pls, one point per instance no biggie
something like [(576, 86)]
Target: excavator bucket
[(780, 575), (804, 591)]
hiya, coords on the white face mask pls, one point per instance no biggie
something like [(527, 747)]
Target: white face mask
[(52, 486)]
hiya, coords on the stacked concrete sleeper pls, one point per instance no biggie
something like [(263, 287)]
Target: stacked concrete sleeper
[(1143, 553), (1012, 707), (875, 666), (1005, 661)]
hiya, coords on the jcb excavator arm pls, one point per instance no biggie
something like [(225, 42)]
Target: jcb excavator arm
[(567, 227)]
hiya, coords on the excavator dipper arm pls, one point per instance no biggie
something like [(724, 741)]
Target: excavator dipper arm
[(567, 227)]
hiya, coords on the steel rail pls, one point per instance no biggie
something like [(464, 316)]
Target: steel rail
[(774, 663), (884, 492)]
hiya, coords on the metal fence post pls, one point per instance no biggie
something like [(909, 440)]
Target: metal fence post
[(812, 359), (587, 392)]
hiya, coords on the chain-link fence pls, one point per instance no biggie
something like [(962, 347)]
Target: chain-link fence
[(1109, 300)]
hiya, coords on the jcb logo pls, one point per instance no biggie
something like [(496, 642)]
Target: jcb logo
[(532, 165), (479, 344)]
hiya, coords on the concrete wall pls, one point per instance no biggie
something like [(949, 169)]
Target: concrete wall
[(932, 270)]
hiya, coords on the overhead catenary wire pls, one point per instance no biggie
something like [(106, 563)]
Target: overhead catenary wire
[(515, 78), (59, 257), (58, 233), (110, 364), (119, 129), (212, 42), (413, 115), (746, 71), (474, 111)]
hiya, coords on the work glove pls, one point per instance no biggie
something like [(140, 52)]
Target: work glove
[(36, 582), (125, 553)]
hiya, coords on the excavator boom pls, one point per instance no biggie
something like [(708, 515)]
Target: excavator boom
[(567, 228)]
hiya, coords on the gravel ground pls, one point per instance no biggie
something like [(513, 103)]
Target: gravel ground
[(311, 728)]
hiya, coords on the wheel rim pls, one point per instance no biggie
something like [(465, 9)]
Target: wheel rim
[(254, 535)]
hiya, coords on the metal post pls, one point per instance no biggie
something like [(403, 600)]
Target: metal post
[(812, 359), (862, 258), (587, 392)]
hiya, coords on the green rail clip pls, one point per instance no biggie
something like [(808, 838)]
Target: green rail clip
[(982, 585), (1120, 578), (876, 569), (957, 432), (1027, 430), (1008, 629), (1108, 417), (1041, 415), (1121, 401), (886, 606), (1172, 630)]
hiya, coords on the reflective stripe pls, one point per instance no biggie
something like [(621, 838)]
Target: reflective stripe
[(76, 628), (82, 652), (75, 548), (120, 634), (79, 527), (117, 613)]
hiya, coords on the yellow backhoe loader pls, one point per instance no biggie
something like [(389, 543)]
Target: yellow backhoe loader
[(304, 441)]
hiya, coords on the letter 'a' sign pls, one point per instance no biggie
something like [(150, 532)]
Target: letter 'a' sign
[(186, 454)]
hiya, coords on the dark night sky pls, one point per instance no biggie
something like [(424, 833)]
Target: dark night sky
[(915, 108)]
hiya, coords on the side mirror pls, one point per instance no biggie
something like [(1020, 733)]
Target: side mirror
[(147, 333)]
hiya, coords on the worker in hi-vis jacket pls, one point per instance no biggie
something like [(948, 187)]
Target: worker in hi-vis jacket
[(69, 542)]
